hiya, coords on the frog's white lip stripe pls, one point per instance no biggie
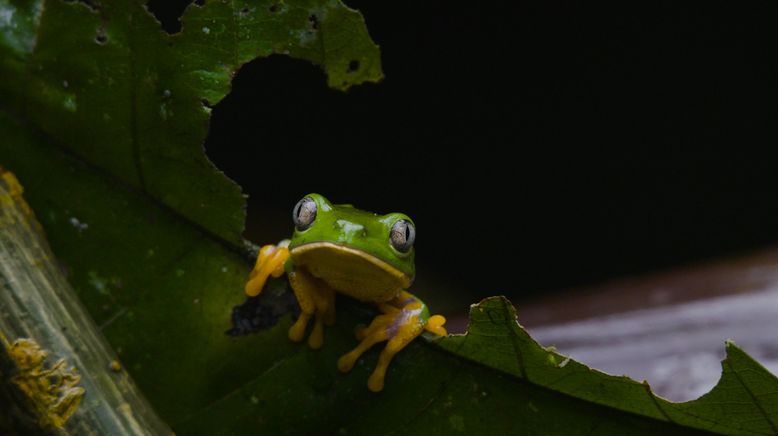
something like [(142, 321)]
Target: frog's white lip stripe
[(368, 257)]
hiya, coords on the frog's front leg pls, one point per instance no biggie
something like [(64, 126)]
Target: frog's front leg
[(270, 262), (404, 318), (316, 300)]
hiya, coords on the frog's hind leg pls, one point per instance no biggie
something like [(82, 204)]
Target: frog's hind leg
[(389, 311), (368, 336), (403, 337), (404, 318)]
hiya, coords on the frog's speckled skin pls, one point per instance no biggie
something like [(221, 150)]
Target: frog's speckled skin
[(348, 250)]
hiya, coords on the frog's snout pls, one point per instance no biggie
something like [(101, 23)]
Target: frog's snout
[(350, 229)]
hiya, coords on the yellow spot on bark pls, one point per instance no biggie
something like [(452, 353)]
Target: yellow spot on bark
[(52, 391)]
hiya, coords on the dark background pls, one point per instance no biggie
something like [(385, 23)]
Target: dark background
[(538, 146)]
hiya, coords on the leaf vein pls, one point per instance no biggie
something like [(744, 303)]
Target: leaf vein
[(756, 402)]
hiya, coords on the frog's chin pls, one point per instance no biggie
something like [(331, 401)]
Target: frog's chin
[(351, 271)]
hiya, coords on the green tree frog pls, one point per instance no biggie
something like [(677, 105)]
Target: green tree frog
[(338, 248)]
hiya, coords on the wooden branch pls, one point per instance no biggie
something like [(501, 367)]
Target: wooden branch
[(55, 365)]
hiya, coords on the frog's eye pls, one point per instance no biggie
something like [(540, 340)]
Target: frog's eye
[(402, 236), (304, 213)]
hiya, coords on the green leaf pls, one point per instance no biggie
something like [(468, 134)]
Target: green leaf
[(141, 97), (105, 131), (745, 401)]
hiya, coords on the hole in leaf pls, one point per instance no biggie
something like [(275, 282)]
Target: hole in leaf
[(313, 19), (353, 66), (101, 38), (264, 106), (206, 103), (245, 11), (262, 312), (273, 8), (168, 13)]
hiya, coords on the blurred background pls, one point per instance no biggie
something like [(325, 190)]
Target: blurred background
[(603, 166)]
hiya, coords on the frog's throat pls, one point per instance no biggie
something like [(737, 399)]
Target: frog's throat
[(393, 272)]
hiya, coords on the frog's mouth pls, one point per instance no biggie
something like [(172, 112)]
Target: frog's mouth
[(350, 270)]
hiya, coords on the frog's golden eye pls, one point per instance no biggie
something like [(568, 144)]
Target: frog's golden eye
[(402, 236), (304, 213)]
